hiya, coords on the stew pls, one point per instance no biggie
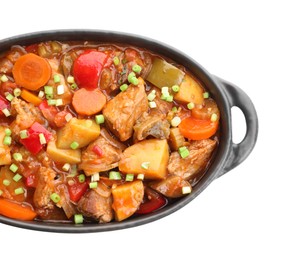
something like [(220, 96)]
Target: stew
[(94, 132)]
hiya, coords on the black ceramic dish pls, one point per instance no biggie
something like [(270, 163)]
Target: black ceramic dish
[(227, 95)]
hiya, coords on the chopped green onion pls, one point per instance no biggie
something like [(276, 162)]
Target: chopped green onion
[(51, 102), (78, 218), (4, 78), (116, 61), (136, 68), (175, 88), (151, 96), (48, 90), (93, 185), (59, 102), (74, 145), (174, 109), (165, 96), (134, 81), (130, 76), (81, 178), (183, 151), (145, 165), (19, 191), (42, 138), (7, 140), (190, 105), (113, 175), (13, 168), (17, 177), (152, 104), (186, 190), (95, 177), (6, 112), (55, 197), (73, 86), (70, 79), (9, 97), (60, 89), (123, 87), (17, 92), (23, 134), (165, 90), (169, 98), (66, 167), (41, 94), (1, 192), (56, 78), (99, 119), (205, 95), (48, 97), (129, 177), (140, 176), (6, 182), (176, 121), (17, 157), (214, 117)]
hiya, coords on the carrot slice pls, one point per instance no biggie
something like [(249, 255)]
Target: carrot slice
[(88, 102), (31, 71), (196, 129), (30, 97), (15, 210)]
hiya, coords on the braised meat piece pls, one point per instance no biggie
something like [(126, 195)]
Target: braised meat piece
[(153, 124), (97, 203), (199, 155), (122, 111)]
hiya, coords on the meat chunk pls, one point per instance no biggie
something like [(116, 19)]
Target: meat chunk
[(199, 154), (106, 158), (26, 114), (153, 124), (122, 111), (163, 106), (97, 203), (44, 188)]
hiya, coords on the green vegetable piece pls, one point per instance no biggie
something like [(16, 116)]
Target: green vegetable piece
[(164, 74)]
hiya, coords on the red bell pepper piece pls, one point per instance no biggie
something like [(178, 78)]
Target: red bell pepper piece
[(77, 189), (32, 142), (154, 201), (4, 103), (49, 112), (87, 68)]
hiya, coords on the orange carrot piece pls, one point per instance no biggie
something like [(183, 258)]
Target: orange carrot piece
[(88, 102), (31, 71), (30, 97), (15, 210)]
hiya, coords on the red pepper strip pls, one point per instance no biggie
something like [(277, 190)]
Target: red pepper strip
[(32, 142), (97, 150), (77, 189), (154, 201)]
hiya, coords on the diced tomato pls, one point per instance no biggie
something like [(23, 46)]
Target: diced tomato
[(4, 103), (154, 201), (60, 119), (87, 68), (32, 142), (77, 189), (31, 181), (49, 112)]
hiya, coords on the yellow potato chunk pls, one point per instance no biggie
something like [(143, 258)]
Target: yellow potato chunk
[(82, 131), (149, 157), (190, 91), (63, 155), (127, 199)]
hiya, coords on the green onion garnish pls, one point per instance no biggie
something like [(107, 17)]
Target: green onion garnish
[(4, 78), (8, 132), (130, 76), (6, 112), (190, 105), (123, 87), (134, 81), (214, 117), (56, 78), (93, 185), (140, 176), (19, 191), (78, 218), (17, 157), (55, 197), (1, 192), (145, 165), (13, 168), (81, 178), (6, 182), (136, 68), (48, 90), (73, 86), (174, 109), (129, 177), (175, 88), (183, 151), (151, 95), (17, 92), (205, 95), (169, 98), (74, 145), (51, 102), (17, 177), (99, 119), (42, 138), (113, 175), (23, 134), (7, 140), (116, 61)]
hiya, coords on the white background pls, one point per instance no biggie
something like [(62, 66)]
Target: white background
[(242, 215)]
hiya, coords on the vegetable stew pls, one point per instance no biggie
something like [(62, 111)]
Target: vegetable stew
[(94, 132)]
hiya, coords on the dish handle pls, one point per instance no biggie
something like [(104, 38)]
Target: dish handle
[(239, 152)]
